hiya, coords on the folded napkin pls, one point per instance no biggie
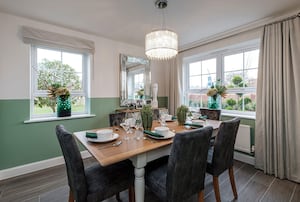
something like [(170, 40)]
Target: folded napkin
[(152, 134), (203, 117), (193, 125), (91, 134)]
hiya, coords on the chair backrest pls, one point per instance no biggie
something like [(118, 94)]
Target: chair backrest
[(74, 163), (212, 114), (224, 145), (187, 163), (116, 118)]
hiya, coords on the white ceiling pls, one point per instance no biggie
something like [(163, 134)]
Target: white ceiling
[(129, 20)]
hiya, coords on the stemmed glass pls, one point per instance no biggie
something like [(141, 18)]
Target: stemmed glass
[(138, 126), (126, 123), (162, 117)]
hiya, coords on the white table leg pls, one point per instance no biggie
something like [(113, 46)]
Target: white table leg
[(139, 184)]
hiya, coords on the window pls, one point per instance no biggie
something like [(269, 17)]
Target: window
[(236, 68), (56, 66)]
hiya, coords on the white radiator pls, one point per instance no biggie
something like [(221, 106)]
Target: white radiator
[(243, 139)]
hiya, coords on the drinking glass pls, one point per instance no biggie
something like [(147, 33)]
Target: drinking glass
[(162, 117), (138, 127), (126, 126)]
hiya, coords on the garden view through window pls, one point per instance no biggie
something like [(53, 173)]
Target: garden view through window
[(236, 70), (50, 66)]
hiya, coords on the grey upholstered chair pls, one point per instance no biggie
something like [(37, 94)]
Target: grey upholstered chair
[(182, 175), (213, 114), (116, 118), (220, 156), (94, 183)]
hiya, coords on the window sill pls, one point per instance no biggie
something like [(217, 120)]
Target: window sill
[(47, 119), (239, 115)]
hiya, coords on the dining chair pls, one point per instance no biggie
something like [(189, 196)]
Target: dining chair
[(220, 155), (116, 118), (181, 175), (94, 183), (212, 114)]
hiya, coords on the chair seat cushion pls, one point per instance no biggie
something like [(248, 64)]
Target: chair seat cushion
[(156, 177), (104, 182)]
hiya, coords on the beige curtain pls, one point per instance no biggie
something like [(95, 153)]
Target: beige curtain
[(174, 83), (277, 135)]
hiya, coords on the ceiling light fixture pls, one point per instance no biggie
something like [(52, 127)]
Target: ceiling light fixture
[(161, 44)]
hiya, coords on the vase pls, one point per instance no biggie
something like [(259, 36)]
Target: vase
[(214, 102), (63, 106)]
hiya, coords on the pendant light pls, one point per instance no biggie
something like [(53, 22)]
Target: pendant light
[(161, 44)]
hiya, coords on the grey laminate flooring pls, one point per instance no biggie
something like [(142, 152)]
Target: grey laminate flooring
[(50, 185)]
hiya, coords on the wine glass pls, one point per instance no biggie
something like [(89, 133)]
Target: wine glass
[(162, 117), (138, 127)]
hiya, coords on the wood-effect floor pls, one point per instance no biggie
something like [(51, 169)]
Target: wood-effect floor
[(50, 185)]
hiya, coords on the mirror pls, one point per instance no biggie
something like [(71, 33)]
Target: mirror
[(135, 79)]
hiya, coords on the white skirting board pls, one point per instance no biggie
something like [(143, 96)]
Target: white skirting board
[(36, 166)]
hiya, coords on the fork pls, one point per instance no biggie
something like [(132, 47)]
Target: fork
[(116, 144)]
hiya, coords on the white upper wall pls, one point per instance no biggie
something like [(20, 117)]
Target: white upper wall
[(15, 60)]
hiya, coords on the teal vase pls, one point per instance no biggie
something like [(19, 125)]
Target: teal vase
[(214, 102), (63, 106)]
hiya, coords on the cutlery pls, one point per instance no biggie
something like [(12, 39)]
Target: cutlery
[(112, 145)]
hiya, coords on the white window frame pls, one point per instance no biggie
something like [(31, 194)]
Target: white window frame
[(85, 81), (219, 55)]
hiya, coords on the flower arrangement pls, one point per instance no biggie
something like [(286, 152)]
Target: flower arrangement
[(140, 92), (217, 89), (56, 90)]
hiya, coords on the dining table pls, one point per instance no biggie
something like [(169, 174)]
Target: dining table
[(138, 150)]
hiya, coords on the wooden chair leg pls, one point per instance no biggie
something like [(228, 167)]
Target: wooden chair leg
[(131, 197), (216, 188), (232, 182), (118, 197), (71, 197), (201, 196)]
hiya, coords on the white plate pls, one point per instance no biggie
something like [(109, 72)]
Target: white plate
[(170, 135), (114, 136)]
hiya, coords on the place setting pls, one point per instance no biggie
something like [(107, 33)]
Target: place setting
[(101, 136)]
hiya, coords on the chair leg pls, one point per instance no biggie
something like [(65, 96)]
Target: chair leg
[(216, 188), (232, 182), (131, 197), (201, 196), (71, 197)]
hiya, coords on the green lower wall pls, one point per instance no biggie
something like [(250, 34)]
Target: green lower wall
[(26, 143)]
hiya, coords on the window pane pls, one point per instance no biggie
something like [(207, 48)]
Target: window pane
[(78, 104), (240, 102), (233, 62), (207, 80), (251, 77), (249, 102), (233, 79), (195, 82), (231, 102), (196, 100), (251, 59), (209, 66), (44, 105), (195, 68)]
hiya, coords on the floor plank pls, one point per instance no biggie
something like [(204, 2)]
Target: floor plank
[(50, 185)]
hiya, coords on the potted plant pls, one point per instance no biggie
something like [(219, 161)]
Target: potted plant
[(181, 114), (62, 96), (147, 117)]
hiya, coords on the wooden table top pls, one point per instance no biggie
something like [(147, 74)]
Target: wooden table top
[(107, 154)]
